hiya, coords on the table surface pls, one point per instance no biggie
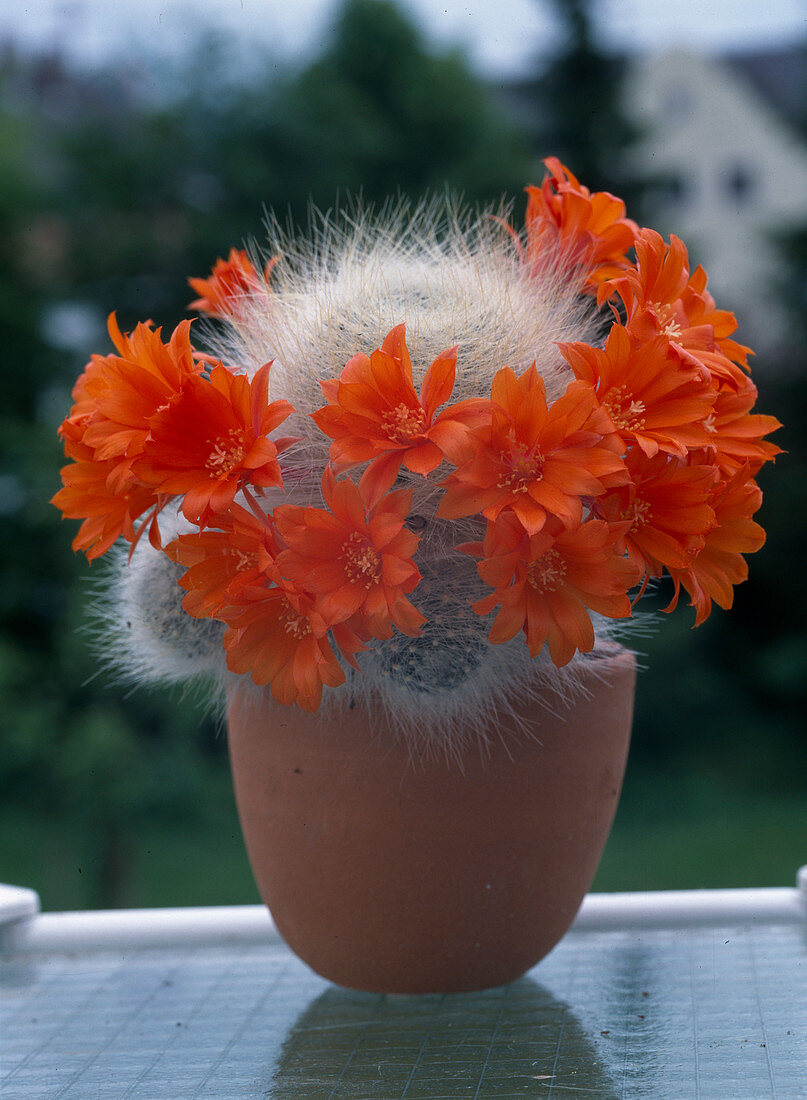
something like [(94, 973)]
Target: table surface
[(718, 1013)]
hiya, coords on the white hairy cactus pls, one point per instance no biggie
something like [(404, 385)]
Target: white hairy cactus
[(451, 282)]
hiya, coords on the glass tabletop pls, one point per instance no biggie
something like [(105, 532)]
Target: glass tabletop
[(717, 1013)]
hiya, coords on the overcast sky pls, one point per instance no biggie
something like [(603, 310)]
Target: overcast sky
[(500, 35)]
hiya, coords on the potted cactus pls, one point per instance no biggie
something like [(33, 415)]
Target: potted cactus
[(402, 506)]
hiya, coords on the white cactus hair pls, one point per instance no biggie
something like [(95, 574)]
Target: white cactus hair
[(144, 632), (453, 278)]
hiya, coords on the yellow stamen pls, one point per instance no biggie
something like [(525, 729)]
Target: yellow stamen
[(667, 321), (546, 572), (403, 423), (227, 453), (626, 413), (641, 513), (294, 623), (362, 563), (244, 560), (524, 465)]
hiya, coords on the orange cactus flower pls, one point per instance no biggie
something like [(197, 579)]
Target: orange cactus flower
[(666, 506), (700, 308), (239, 554), (533, 459), (116, 398), (653, 399), (117, 395), (545, 584), (355, 558), (737, 434), (662, 298), (719, 564), (106, 515), (375, 415), (212, 440), (230, 284), (274, 630), (588, 232), (275, 635)]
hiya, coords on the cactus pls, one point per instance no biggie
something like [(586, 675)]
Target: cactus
[(533, 427)]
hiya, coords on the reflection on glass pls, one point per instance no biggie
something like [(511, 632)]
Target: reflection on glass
[(518, 1040)]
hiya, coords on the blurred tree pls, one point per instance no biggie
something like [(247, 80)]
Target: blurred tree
[(154, 190), (378, 114), (573, 107)]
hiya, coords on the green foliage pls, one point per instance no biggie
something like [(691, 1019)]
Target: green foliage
[(690, 830), (381, 121)]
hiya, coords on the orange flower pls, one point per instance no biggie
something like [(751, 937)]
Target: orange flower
[(374, 414), (231, 283), (116, 398), (719, 564), (276, 636), (212, 440), (107, 515), (700, 308), (275, 633), (652, 398), (666, 506), (737, 434), (356, 559), (662, 298), (588, 232), (117, 395), (536, 460), (219, 563), (547, 583)]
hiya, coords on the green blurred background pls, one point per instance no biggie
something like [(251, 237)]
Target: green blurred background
[(118, 182)]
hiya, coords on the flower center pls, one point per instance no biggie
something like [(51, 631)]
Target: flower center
[(227, 453), (362, 563), (666, 320), (641, 513), (626, 414), (294, 623), (546, 572), (403, 423), (244, 560), (522, 466)]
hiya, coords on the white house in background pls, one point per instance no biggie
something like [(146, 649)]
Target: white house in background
[(734, 172)]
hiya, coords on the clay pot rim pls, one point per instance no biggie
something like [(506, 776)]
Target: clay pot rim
[(491, 726)]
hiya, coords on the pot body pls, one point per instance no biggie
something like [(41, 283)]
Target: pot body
[(395, 875)]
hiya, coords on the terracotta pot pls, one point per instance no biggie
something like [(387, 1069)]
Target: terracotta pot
[(399, 877)]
